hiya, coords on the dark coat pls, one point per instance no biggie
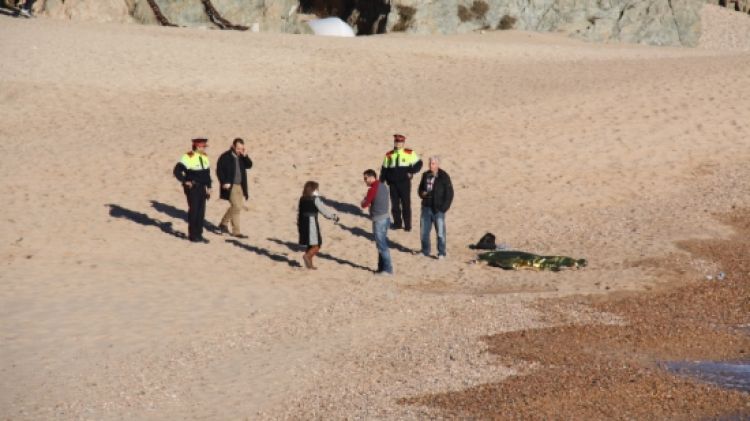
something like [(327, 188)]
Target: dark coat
[(441, 197), (225, 172), (307, 214)]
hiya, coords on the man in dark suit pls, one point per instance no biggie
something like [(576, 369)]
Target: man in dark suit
[(231, 169)]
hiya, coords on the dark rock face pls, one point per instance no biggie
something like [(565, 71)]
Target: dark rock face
[(367, 17), (736, 5)]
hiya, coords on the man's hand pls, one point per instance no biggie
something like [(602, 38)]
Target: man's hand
[(208, 192), (188, 184), (226, 186)]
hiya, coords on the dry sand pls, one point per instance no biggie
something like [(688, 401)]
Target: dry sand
[(609, 152)]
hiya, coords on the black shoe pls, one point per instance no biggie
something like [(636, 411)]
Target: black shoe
[(407, 229), (395, 227), (199, 240), (223, 229)]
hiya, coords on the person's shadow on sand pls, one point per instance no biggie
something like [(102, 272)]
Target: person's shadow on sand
[(117, 211), (180, 214), (265, 253), (325, 256), (359, 232), (342, 207)]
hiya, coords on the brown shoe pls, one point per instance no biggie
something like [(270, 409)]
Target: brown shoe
[(239, 235)]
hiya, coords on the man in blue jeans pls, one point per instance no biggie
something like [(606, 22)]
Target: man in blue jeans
[(436, 191), (378, 201)]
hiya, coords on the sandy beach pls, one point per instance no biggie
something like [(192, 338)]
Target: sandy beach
[(610, 152)]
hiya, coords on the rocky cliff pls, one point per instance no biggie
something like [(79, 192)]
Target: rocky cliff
[(655, 22)]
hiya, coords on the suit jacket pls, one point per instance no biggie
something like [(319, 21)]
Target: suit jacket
[(225, 172), (441, 197)]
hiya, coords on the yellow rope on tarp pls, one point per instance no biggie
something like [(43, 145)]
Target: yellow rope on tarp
[(523, 260)]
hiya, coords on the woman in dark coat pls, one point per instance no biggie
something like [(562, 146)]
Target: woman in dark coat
[(310, 205)]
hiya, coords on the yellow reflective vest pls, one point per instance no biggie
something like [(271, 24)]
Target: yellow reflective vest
[(399, 165), (194, 166)]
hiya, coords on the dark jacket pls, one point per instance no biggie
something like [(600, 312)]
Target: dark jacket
[(441, 196), (307, 214), (225, 172)]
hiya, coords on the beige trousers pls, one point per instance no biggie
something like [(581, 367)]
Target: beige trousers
[(235, 207)]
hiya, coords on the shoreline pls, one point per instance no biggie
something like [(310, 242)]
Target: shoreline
[(575, 364)]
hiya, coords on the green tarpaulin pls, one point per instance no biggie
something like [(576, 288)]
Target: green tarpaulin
[(522, 260)]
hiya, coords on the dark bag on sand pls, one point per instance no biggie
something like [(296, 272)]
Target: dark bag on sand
[(487, 242)]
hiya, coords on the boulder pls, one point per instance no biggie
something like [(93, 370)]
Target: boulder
[(91, 10), (655, 22), (269, 15)]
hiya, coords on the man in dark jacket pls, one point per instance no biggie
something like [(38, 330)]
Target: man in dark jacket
[(231, 170), (436, 191)]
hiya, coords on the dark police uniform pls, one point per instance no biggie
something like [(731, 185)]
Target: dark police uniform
[(398, 167), (194, 166)]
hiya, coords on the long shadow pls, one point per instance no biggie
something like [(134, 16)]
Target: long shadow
[(325, 256), (265, 253), (9, 12), (342, 207), (180, 214), (117, 211), (359, 232)]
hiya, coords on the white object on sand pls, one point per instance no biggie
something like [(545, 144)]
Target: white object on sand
[(331, 27)]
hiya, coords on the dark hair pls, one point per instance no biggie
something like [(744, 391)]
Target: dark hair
[(237, 140), (370, 173), (309, 189)]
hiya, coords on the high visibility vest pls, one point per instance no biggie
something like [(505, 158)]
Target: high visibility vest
[(195, 161), (400, 158)]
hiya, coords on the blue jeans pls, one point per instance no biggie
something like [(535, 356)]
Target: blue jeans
[(380, 230), (427, 220)]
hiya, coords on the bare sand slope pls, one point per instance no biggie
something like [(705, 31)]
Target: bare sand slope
[(609, 152)]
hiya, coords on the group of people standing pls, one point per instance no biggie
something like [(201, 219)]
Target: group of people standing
[(394, 184), (389, 191)]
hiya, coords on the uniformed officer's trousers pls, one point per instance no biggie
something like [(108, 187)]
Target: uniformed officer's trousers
[(401, 204), (196, 197)]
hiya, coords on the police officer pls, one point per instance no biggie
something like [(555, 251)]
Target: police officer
[(193, 171), (399, 166)]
